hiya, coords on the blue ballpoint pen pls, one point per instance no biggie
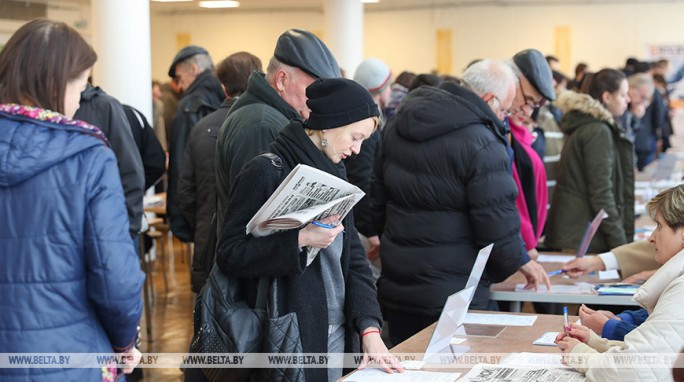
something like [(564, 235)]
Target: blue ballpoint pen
[(558, 272), (319, 224), (565, 318)]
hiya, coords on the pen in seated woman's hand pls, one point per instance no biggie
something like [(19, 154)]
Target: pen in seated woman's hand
[(583, 265), (375, 350), (572, 336), (316, 236)]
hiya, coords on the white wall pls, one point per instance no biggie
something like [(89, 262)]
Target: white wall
[(602, 35), (224, 34)]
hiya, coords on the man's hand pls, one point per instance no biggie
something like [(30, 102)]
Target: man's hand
[(374, 248), (535, 275)]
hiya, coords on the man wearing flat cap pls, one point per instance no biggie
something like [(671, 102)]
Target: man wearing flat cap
[(270, 102), (192, 69), (535, 87)]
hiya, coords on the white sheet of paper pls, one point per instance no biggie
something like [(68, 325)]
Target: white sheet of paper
[(546, 339), (554, 258), (578, 288), (534, 359), (611, 274), (457, 340), (499, 319), (412, 365), (378, 375)]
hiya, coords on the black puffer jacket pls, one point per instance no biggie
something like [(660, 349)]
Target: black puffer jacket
[(443, 189)]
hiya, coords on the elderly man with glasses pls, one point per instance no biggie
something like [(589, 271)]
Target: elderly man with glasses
[(535, 88)]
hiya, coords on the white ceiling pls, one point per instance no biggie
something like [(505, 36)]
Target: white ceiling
[(317, 5)]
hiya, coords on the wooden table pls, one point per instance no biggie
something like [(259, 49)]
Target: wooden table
[(512, 339), (505, 291)]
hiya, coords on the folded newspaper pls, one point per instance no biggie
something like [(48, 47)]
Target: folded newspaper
[(306, 194)]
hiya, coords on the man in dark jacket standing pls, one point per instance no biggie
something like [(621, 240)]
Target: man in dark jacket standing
[(202, 94), (196, 184), (443, 190), (269, 103), (106, 112)]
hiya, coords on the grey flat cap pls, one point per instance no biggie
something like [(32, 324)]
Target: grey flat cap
[(534, 67), (303, 50), (183, 55)]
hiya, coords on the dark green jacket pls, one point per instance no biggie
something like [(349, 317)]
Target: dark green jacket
[(253, 123), (596, 171)]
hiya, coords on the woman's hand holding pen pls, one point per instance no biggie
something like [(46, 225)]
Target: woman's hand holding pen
[(318, 235), (583, 265), (571, 337)]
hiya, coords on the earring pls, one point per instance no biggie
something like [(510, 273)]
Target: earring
[(324, 142)]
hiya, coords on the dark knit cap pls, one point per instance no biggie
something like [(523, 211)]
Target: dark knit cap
[(303, 50), (183, 55), (336, 102)]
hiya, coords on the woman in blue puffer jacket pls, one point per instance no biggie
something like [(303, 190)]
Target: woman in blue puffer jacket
[(70, 280)]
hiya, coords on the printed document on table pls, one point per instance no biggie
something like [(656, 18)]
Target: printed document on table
[(510, 373), (545, 360), (378, 375), (499, 319)]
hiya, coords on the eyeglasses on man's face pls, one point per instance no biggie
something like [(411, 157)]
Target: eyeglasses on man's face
[(500, 112), (529, 101)]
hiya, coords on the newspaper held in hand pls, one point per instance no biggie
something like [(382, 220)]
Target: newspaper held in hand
[(306, 194)]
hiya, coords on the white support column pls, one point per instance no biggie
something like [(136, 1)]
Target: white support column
[(344, 32), (121, 38)]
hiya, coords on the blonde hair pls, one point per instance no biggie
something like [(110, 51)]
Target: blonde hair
[(670, 204)]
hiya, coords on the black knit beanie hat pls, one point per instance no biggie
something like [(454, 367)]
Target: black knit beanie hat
[(336, 102)]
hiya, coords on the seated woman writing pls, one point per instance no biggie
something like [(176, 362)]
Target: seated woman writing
[(663, 330)]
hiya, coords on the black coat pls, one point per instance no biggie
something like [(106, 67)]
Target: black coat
[(151, 152), (443, 190), (197, 190), (278, 255), (104, 111), (202, 97)]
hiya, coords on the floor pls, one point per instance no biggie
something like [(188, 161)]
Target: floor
[(171, 314)]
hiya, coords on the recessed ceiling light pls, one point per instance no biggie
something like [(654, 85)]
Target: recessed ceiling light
[(370, 1), (172, 1), (219, 4)]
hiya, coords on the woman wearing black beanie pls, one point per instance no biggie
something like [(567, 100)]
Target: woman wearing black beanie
[(334, 296)]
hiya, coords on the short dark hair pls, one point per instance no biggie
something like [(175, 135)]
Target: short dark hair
[(405, 78), (580, 68), (39, 60), (234, 71), (550, 58), (605, 80)]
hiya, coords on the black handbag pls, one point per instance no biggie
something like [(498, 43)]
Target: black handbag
[(224, 323)]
